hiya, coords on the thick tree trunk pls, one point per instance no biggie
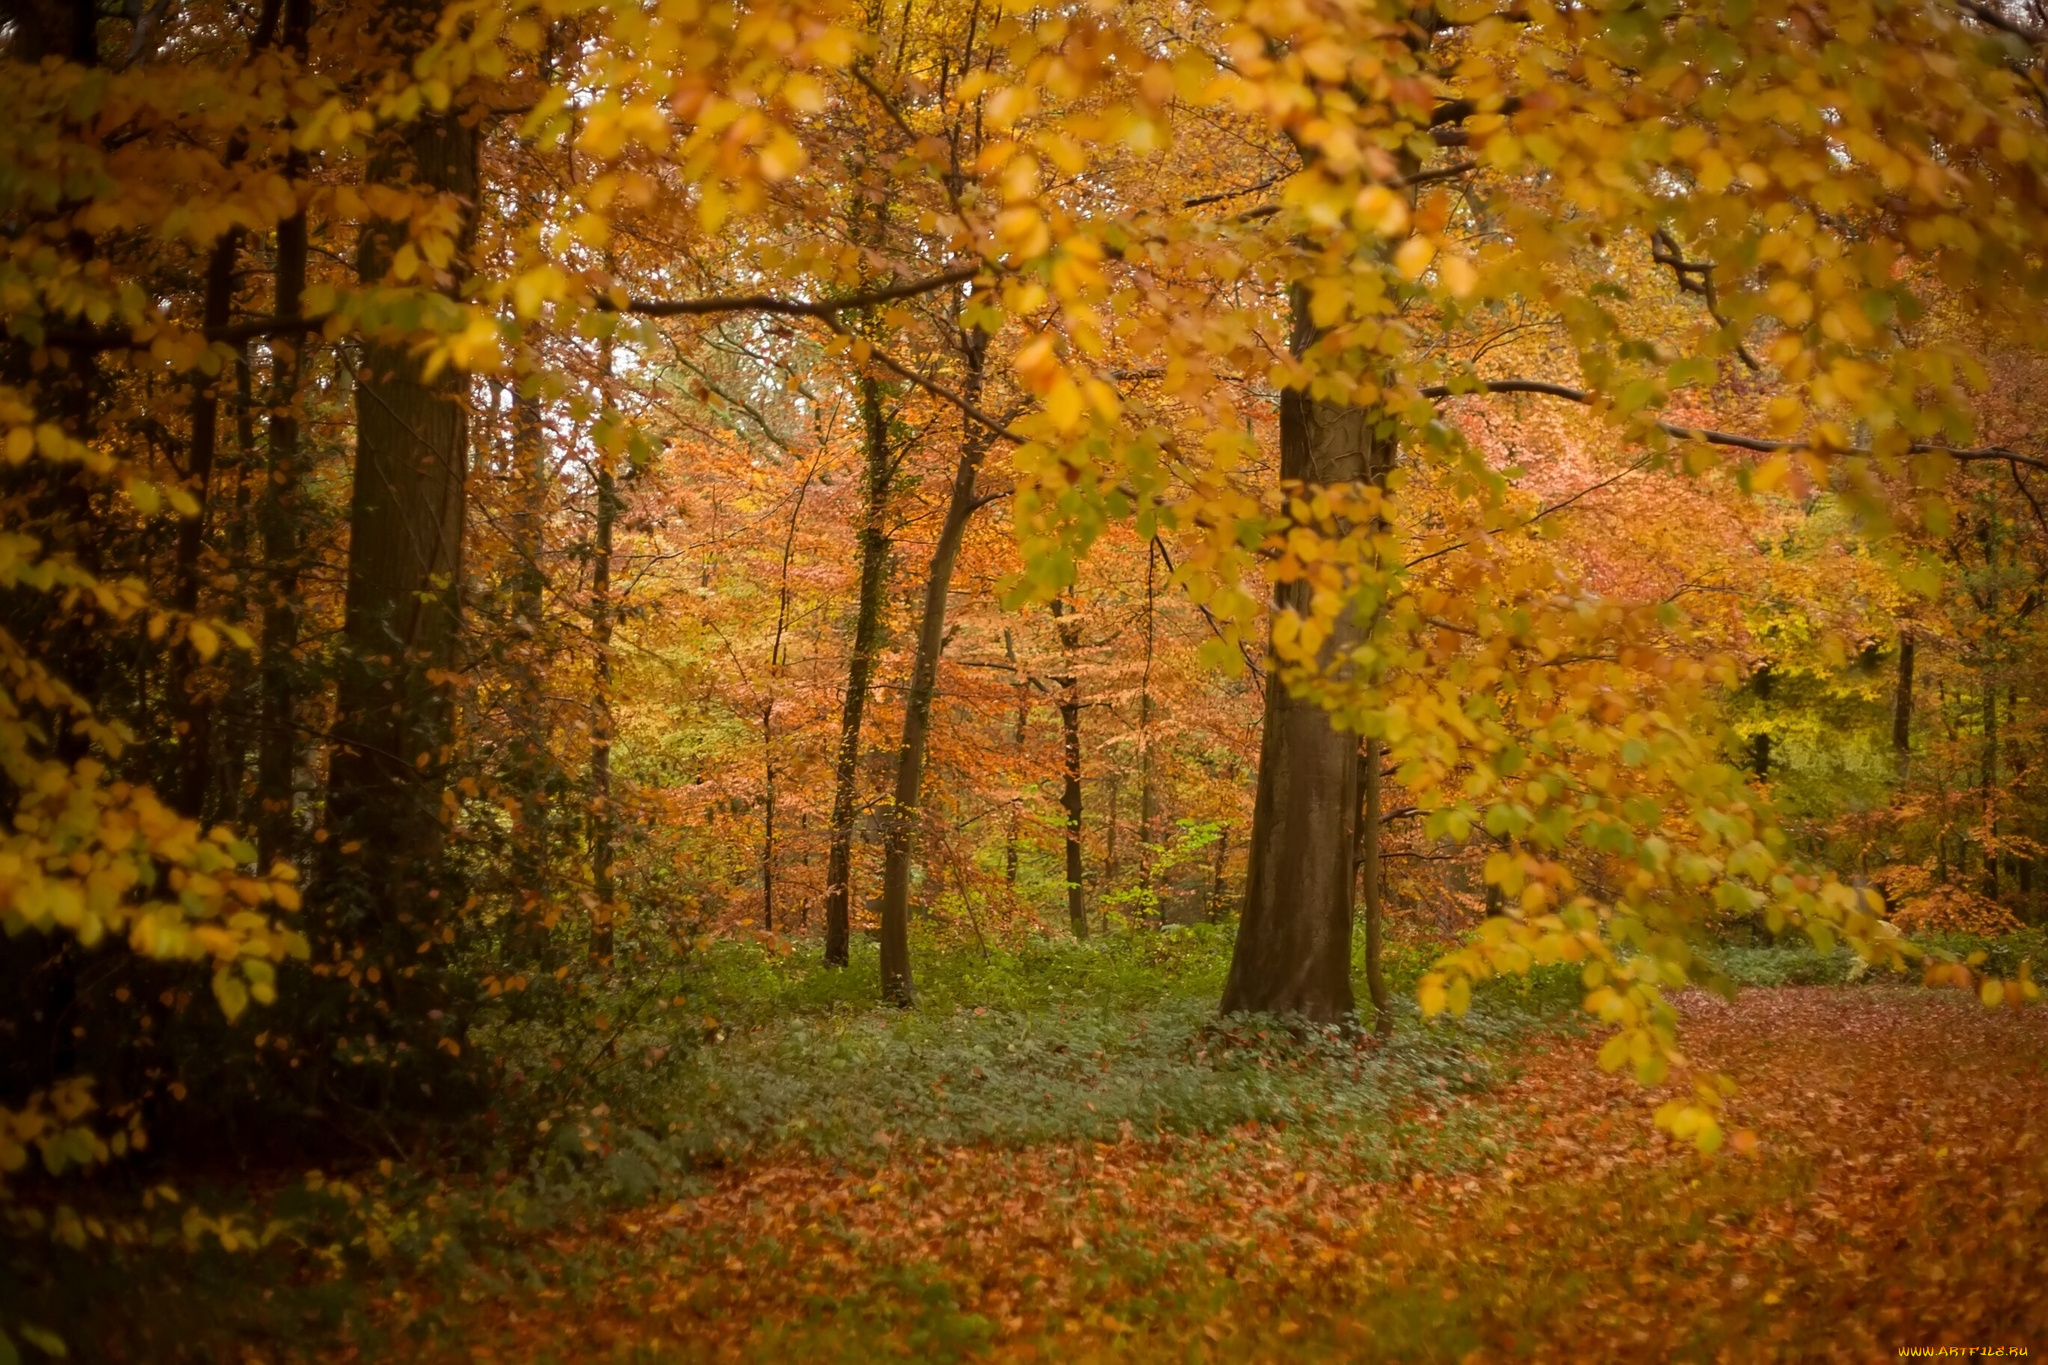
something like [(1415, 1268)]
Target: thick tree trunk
[(867, 631), (1070, 789), (901, 832), (1293, 951), (393, 708)]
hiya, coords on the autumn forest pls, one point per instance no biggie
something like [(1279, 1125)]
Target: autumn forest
[(1216, 680)]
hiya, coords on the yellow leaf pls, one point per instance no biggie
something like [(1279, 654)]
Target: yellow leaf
[(231, 993), (1414, 257), (1459, 275)]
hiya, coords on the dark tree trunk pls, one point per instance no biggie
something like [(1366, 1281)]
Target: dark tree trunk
[(1902, 703), (1369, 873), (231, 787), (54, 28), (383, 872), (867, 630), (900, 835), (1218, 891), (1017, 738), (603, 817), (768, 816), (277, 519), (1760, 742), (1990, 787), (1070, 771), (1293, 950), (530, 761), (1146, 797), (192, 706)]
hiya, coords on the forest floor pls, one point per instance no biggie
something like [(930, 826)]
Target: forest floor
[(1895, 1196)]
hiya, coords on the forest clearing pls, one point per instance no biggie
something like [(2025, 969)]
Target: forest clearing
[(1023, 679), (1895, 1195)]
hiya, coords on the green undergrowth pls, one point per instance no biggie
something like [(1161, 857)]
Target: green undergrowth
[(763, 1053), (1794, 961), (1049, 1041)]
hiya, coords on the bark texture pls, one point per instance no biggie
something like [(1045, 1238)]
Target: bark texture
[(900, 838), (277, 524), (867, 632), (1293, 950), (393, 709), (1070, 772)]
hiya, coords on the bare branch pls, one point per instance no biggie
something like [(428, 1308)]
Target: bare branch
[(1764, 445), (800, 308)]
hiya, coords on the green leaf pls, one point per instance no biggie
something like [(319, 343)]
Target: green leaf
[(49, 1343)]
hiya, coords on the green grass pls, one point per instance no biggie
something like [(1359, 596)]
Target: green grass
[(1051, 1041), (1794, 961)]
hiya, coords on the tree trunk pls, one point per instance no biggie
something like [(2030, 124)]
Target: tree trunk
[(867, 630), (1293, 950), (193, 708), (1017, 738), (277, 521), (530, 760), (1369, 871), (231, 787), (768, 816), (1218, 890), (1146, 799), (901, 831), (1760, 742), (1990, 790), (1902, 704), (1070, 790), (393, 708), (603, 819)]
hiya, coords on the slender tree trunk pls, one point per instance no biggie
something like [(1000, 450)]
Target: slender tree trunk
[(768, 816), (193, 709), (900, 836), (1293, 950), (603, 819), (1902, 704), (1017, 739), (1760, 742), (867, 630), (1991, 884), (231, 790), (1218, 890), (384, 870), (277, 523), (1113, 805), (1369, 871), (1146, 796), (530, 759), (1070, 790)]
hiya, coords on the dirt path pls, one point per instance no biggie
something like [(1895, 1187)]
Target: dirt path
[(1897, 1197)]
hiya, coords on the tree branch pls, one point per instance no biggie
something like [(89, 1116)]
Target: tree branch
[(1764, 445), (799, 308)]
